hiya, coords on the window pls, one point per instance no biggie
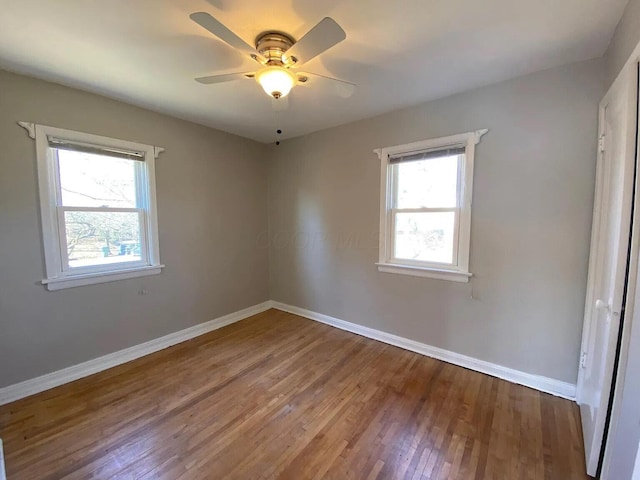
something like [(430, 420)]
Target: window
[(97, 206), (425, 207)]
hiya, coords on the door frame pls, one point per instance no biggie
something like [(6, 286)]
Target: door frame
[(631, 71), (625, 82)]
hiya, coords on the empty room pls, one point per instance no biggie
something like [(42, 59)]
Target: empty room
[(332, 240)]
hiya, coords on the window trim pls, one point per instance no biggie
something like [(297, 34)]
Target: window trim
[(386, 262), (57, 274)]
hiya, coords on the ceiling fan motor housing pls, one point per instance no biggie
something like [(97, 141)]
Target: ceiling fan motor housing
[(273, 46)]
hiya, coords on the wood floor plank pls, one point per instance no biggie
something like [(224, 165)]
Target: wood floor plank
[(277, 396)]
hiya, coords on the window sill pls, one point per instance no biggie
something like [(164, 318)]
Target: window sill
[(438, 274), (102, 277)]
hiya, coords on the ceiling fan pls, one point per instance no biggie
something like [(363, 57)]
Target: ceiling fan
[(279, 54)]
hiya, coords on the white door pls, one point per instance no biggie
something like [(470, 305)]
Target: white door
[(636, 470), (608, 262)]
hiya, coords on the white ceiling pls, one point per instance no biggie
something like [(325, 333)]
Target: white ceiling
[(399, 53)]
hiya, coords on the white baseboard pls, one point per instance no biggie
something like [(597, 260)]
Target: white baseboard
[(75, 372), (537, 382)]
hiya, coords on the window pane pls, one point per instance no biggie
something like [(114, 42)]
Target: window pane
[(89, 180), (430, 183), (425, 237), (101, 238)]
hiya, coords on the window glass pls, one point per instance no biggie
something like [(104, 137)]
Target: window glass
[(90, 180), (425, 236), (430, 183), (102, 238)]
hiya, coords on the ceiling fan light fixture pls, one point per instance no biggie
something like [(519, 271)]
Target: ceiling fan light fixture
[(277, 82)]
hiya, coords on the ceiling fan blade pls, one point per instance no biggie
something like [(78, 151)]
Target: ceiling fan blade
[(319, 39), (209, 23), (225, 77), (281, 104), (340, 88)]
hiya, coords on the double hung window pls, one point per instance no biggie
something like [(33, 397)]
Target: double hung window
[(98, 209), (425, 211)]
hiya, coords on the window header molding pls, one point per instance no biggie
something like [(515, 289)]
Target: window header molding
[(459, 140), (130, 148)]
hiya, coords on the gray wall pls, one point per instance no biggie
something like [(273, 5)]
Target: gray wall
[(625, 39), (530, 234), (532, 207), (211, 190)]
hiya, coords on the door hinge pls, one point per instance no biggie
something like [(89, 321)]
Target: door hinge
[(583, 360), (601, 143)]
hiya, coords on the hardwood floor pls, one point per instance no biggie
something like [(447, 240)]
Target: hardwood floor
[(279, 396)]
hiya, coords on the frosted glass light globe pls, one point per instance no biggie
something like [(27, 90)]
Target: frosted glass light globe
[(276, 81)]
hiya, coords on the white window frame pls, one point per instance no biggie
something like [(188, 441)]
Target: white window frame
[(459, 271), (58, 274)]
